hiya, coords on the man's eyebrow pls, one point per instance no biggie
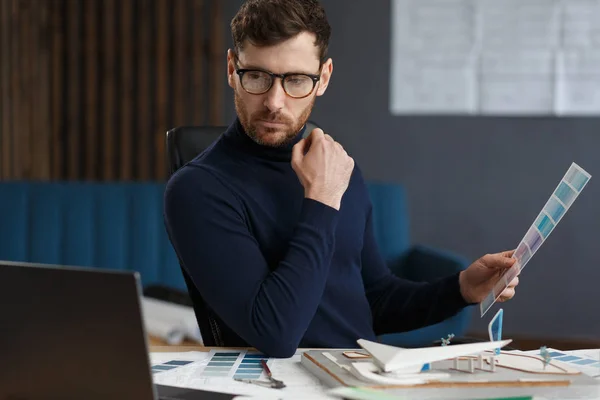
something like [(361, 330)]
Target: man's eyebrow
[(256, 67), (252, 66)]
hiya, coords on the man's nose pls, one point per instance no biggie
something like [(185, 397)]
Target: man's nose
[(275, 97)]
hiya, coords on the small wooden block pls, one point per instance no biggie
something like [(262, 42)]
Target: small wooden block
[(355, 354)]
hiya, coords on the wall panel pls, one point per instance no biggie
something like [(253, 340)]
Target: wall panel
[(89, 88)]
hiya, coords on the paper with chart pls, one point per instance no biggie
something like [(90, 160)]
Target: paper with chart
[(215, 370), (557, 205), (586, 361), (495, 57)]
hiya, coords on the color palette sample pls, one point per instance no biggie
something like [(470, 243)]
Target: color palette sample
[(250, 367), (220, 364), (234, 364), (588, 365), (555, 208), (169, 365), (495, 329)]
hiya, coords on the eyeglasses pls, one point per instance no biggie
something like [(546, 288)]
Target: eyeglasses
[(255, 81)]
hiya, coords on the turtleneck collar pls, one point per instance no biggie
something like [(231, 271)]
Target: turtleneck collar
[(236, 136)]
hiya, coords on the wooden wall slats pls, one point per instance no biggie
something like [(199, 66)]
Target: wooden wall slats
[(181, 71), (58, 95), (199, 51), (145, 112), (161, 93), (89, 88), (5, 89), (41, 117), (14, 84), (127, 88), (109, 100), (73, 103), (90, 126), (17, 94), (216, 64), (25, 85)]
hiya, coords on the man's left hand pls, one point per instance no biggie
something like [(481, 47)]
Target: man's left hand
[(481, 277)]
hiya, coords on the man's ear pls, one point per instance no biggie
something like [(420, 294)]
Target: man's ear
[(231, 68), (326, 71)]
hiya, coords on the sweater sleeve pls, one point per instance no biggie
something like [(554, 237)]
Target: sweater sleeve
[(269, 309), (400, 305)]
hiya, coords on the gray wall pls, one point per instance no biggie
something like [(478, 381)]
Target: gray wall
[(475, 184)]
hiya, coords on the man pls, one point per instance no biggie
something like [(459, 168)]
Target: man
[(274, 230)]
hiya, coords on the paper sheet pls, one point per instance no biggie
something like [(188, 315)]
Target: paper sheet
[(169, 321), (216, 369), (546, 54), (554, 210), (516, 81), (443, 78), (578, 84), (586, 361)]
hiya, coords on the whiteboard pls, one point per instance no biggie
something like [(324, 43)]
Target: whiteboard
[(495, 57)]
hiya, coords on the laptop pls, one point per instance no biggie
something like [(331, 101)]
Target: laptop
[(76, 333)]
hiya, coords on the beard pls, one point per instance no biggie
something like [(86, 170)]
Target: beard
[(272, 137)]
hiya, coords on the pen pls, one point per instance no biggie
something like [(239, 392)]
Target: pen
[(278, 384), (266, 368)]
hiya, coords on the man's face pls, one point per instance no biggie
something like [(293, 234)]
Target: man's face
[(274, 118)]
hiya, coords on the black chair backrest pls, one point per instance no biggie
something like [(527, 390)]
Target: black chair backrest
[(183, 145), (186, 142)]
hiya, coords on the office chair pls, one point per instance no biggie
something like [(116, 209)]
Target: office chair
[(183, 145), (186, 142)]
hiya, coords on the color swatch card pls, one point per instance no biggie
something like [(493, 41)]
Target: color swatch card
[(586, 361), (169, 365), (217, 371), (236, 365), (557, 205)]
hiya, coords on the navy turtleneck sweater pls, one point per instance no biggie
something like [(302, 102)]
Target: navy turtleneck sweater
[(283, 271)]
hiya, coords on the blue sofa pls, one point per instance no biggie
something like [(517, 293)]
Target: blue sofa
[(120, 226)]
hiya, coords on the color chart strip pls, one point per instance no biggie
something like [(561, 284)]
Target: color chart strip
[(220, 364), (169, 365), (250, 367), (584, 363), (234, 364), (555, 208)]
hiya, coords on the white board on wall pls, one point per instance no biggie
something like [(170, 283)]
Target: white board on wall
[(495, 57)]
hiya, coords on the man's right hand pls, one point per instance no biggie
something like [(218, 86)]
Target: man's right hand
[(323, 167)]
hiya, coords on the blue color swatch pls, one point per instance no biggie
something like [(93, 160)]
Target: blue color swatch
[(585, 361), (221, 364), (227, 364), (544, 225), (166, 366), (554, 209), (568, 358), (177, 362), (565, 194), (495, 329), (588, 362), (250, 367), (576, 179)]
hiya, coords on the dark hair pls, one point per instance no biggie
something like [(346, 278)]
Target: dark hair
[(268, 22)]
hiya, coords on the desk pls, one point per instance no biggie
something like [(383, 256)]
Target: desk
[(157, 345), (154, 341), (302, 382)]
